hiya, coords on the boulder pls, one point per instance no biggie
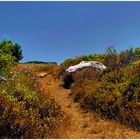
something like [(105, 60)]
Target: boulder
[(68, 75), (86, 64)]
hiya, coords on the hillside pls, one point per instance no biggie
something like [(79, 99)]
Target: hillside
[(79, 123), (46, 101)]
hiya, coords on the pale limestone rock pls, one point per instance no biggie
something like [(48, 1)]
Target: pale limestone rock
[(86, 64)]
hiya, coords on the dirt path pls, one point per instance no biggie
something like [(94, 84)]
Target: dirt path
[(82, 124)]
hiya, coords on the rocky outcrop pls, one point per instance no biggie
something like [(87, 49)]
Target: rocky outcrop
[(68, 75), (86, 64)]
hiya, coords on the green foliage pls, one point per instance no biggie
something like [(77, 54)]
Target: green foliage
[(6, 60), (137, 53), (17, 52), (9, 54), (41, 62), (7, 47), (111, 50)]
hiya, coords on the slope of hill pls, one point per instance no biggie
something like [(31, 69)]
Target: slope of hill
[(98, 104), (112, 93), (79, 123)]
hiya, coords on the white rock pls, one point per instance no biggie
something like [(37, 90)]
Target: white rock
[(86, 64)]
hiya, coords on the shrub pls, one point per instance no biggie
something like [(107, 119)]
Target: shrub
[(6, 61), (113, 94), (116, 60), (23, 112), (7, 47), (137, 53)]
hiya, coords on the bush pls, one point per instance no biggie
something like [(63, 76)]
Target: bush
[(7, 47), (9, 54), (116, 60), (6, 61), (23, 112), (137, 53), (113, 94)]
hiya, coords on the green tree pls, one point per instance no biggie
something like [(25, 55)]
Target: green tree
[(111, 59), (126, 57), (110, 50), (7, 47), (17, 52)]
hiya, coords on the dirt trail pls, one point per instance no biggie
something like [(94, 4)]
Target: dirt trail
[(82, 124)]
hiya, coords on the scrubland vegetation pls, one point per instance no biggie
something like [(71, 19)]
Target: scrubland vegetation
[(40, 62), (113, 93), (24, 113)]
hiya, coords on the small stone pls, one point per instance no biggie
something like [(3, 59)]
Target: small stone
[(42, 74)]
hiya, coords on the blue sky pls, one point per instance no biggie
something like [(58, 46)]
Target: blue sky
[(55, 31)]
